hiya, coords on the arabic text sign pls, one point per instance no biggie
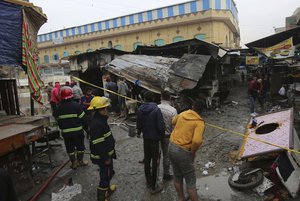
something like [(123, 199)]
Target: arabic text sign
[(252, 60), (281, 50)]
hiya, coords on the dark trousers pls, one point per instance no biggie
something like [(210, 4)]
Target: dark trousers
[(74, 142), (106, 173), (53, 107), (151, 154), (7, 191)]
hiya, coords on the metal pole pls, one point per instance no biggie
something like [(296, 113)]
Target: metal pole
[(31, 105)]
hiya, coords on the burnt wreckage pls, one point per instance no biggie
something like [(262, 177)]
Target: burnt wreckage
[(188, 69)]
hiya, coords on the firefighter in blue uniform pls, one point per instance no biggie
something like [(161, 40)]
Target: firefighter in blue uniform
[(71, 119), (102, 145)]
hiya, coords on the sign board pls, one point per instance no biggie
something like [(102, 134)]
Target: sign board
[(282, 50), (252, 60), (58, 40)]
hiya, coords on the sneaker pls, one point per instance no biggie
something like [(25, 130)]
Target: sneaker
[(167, 177), (157, 189)]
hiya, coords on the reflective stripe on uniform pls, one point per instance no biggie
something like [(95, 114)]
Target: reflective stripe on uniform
[(81, 115), (67, 116), (95, 156), (101, 139), (71, 154), (68, 130), (111, 152), (80, 152)]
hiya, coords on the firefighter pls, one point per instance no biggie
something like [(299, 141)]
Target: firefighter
[(102, 145), (71, 119)]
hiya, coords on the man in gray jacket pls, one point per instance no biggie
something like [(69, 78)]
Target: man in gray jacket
[(77, 92), (168, 113)]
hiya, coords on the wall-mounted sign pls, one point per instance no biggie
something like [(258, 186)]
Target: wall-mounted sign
[(252, 60)]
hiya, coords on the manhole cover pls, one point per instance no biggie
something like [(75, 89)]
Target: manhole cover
[(266, 129)]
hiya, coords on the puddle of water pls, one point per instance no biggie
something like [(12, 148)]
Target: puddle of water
[(216, 187)]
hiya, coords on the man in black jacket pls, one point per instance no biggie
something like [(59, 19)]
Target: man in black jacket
[(102, 145), (150, 122), (71, 120)]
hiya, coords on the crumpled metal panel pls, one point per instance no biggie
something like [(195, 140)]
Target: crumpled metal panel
[(186, 72), (152, 71)]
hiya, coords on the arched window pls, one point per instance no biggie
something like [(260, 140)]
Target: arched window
[(46, 59), (110, 45), (136, 44), (66, 54), (159, 42), (118, 47), (77, 52), (55, 57), (89, 50), (200, 36), (178, 39)]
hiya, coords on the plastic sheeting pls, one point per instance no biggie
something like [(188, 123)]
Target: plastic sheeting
[(10, 34)]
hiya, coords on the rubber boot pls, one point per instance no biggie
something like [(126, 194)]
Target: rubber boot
[(112, 188), (80, 160), (102, 194), (73, 161)]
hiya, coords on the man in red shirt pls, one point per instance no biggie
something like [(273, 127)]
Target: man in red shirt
[(55, 97)]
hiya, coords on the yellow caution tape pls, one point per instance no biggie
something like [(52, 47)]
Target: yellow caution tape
[(208, 124), (85, 82)]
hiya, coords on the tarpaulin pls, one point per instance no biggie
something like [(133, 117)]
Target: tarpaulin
[(10, 34)]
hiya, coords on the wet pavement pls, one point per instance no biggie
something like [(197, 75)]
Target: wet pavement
[(219, 148)]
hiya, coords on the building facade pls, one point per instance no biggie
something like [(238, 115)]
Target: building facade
[(214, 21)]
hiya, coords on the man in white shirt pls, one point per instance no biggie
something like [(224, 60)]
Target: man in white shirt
[(168, 113)]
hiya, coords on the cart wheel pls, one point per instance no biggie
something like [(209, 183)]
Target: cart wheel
[(245, 181)]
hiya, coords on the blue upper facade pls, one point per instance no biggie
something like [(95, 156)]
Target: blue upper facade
[(146, 16)]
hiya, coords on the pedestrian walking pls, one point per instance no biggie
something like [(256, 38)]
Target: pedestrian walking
[(185, 140), (168, 113), (150, 122), (122, 90), (55, 97), (71, 120), (261, 93), (77, 92), (112, 86), (102, 145), (253, 94)]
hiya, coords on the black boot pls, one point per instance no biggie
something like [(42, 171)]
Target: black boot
[(73, 161), (102, 194)]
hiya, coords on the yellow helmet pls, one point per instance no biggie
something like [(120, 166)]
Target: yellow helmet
[(99, 102)]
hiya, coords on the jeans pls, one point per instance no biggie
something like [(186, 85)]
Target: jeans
[(106, 173), (252, 102), (151, 154), (166, 161)]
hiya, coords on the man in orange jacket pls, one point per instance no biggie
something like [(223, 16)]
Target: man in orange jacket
[(185, 140)]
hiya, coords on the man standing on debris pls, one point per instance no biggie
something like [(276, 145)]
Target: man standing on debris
[(112, 86), (185, 140), (168, 113), (122, 90), (150, 122), (55, 98), (77, 92), (102, 145), (71, 119), (253, 92)]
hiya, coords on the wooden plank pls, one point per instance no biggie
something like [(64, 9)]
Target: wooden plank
[(15, 129)]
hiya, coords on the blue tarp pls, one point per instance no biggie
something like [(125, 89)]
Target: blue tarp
[(10, 34)]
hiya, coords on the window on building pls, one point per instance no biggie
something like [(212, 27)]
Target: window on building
[(118, 47), (159, 42), (200, 36), (178, 39), (58, 71), (66, 54), (89, 50), (46, 59), (55, 57), (110, 45), (136, 44), (77, 52)]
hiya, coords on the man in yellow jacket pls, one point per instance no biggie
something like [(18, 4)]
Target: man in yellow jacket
[(185, 140)]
